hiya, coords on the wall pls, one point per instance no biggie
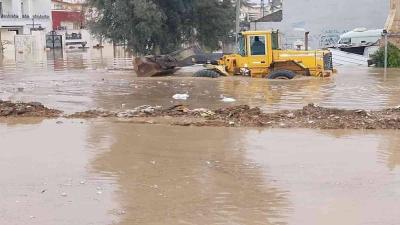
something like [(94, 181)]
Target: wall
[(7, 7), (326, 19), (59, 16), (41, 7), (8, 36)]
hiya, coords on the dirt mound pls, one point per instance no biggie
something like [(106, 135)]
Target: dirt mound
[(32, 109), (311, 116)]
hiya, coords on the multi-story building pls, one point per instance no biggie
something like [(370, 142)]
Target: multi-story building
[(22, 16), (67, 14), (23, 24)]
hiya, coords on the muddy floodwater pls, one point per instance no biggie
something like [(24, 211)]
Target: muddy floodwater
[(112, 171), (82, 80), (103, 172)]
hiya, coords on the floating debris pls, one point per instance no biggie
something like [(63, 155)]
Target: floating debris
[(228, 100), (180, 96)]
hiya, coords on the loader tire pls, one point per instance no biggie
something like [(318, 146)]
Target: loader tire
[(207, 73), (282, 74)]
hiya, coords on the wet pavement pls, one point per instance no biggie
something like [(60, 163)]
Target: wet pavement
[(102, 171)]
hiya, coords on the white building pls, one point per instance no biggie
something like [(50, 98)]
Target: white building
[(21, 18), (22, 15)]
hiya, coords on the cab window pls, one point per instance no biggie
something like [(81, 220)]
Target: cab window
[(241, 46), (257, 45)]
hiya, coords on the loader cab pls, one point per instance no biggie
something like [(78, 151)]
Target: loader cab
[(255, 49)]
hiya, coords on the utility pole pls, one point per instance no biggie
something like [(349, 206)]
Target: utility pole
[(385, 34), (262, 8), (1, 44), (237, 20)]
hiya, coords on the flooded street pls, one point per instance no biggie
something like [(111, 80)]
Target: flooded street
[(111, 171), (78, 81)]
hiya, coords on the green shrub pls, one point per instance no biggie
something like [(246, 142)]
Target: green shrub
[(393, 56)]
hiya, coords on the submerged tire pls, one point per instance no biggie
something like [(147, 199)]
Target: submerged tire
[(207, 73), (282, 74)]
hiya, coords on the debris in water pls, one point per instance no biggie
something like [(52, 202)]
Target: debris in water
[(121, 212), (228, 100), (144, 109), (290, 115), (180, 96)]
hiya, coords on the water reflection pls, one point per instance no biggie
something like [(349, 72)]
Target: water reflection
[(390, 149), (331, 179), (170, 175), (141, 174), (44, 177)]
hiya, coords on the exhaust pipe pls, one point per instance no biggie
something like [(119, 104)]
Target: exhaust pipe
[(306, 40)]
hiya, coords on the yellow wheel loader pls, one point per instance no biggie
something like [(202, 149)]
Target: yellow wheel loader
[(258, 56)]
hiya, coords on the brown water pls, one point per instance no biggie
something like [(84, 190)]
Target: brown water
[(82, 80), (113, 172), (110, 172)]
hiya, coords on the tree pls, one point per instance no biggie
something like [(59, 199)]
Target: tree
[(162, 26), (393, 56)]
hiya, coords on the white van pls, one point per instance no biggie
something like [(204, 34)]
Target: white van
[(360, 36)]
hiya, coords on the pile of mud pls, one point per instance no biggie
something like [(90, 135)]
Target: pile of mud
[(311, 116), (32, 109)]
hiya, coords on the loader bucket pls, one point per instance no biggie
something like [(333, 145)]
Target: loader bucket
[(150, 66)]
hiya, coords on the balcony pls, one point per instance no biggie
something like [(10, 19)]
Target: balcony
[(9, 16), (25, 22), (25, 16)]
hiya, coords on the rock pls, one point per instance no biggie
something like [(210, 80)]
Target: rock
[(290, 115), (6, 111)]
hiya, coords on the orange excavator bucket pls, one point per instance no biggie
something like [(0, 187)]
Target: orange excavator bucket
[(151, 66)]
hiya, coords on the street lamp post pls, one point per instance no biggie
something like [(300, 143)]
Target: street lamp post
[(237, 30), (385, 64)]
